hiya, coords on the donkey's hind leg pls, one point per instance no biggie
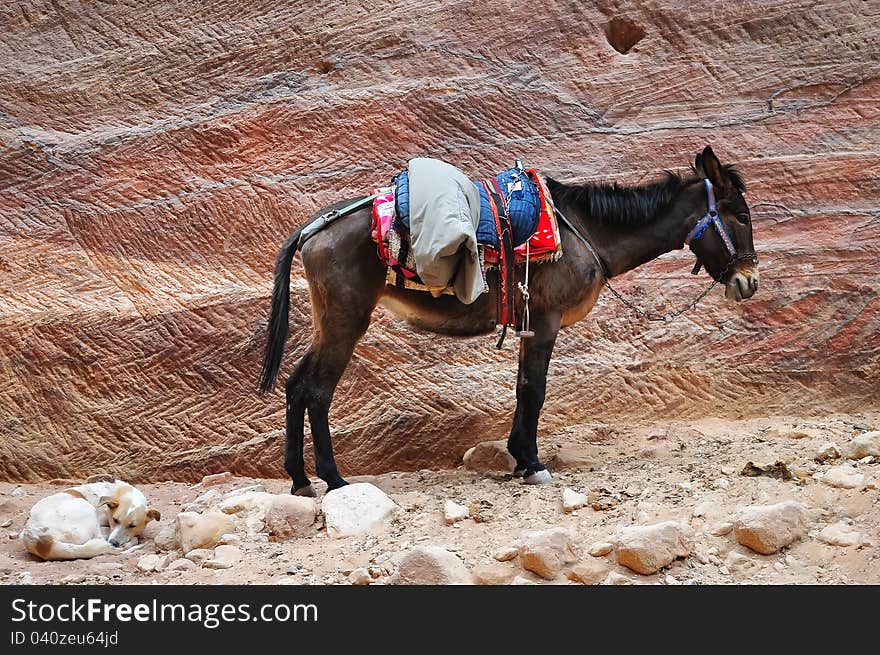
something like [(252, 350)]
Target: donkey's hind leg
[(296, 410)]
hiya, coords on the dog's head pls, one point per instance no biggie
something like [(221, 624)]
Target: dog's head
[(127, 514)]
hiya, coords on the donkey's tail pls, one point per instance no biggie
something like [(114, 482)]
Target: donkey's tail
[(278, 314)]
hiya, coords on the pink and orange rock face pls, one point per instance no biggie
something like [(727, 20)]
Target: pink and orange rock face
[(153, 156)]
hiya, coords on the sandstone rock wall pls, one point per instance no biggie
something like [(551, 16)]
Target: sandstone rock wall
[(154, 155)]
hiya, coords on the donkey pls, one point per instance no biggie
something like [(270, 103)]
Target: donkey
[(605, 229)]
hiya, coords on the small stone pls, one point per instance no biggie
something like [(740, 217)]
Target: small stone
[(590, 571), (204, 501), (150, 563), (18, 491), (572, 500), (225, 557), (571, 458), (231, 539), (867, 460), (201, 530), (546, 552), (6, 523), (722, 529), (864, 445), (216, 478), (840, 534), (430, 565), (182, 565), (376, 571), (505, 554), (723, 570), (520, 580), (790, 560), (356, 509), (779, 567), (647, 549), (737, 562), (360, 577), (453, 512), (827, 452), (601, 548), (489, 457), (293, 569), (844, 477), (493, 573), (767, 528), (721, 483), (199, 555), (166, 538), (615, 578)]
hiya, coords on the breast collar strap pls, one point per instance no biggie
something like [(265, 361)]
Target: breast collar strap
[(710, 217)]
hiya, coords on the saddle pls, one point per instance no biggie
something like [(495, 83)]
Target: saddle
[(517, 224)]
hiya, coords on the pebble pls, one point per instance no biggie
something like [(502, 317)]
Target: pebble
[(216, 478), (151, 563), (505, 554), (520, 580), (722, 529), (615, 578), (601, 548), (737, 562), (572, 500), (182, 565), (360, 577), (6, 523), (225, 557), (199, 555), (840, 534), (453, 512), (779, 566), (827, 452)]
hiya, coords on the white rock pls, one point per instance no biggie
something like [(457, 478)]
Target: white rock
[(225, 557), (230, 540), (200, 530), (360, 577), (737, 562), (453, 512), (572, 500), (430, 565), (601, 548), (216, 478), (767, 528), (647, 549), (520, 580), (6, 523), (199, 555), (356, 509), (505, 554), (840, 534), (151, 563), (546, 552), (827, 452), (844, 477), (493, 573), (204, 501), (864, 445)]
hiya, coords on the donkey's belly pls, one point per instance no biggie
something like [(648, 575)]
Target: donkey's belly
[(443, 315)]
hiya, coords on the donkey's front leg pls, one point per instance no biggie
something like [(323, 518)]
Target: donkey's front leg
[(531, 385)]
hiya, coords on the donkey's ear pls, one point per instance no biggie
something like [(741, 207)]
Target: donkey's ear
[(708, 165)]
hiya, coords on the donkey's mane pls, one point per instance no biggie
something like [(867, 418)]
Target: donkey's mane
[(630, 205)]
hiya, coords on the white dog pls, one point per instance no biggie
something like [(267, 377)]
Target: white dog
[(88, 520)]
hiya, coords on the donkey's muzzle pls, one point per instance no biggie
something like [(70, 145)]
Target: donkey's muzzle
[(742, 284)]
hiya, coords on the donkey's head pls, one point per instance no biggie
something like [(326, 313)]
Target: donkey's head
[(721, 237)]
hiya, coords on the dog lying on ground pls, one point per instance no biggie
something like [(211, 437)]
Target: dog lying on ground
[(91, 519)]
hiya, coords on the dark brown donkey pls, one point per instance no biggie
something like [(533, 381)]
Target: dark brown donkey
[(623, 226)]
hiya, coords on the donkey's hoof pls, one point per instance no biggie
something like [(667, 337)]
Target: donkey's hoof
[(308, 491), (518, 473), (539, 477)]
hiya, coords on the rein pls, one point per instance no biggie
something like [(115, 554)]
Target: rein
[(711, 216)]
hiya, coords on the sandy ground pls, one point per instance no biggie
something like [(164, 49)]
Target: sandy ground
[(690, 472)]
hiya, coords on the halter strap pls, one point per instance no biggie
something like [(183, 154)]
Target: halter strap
[(711, 217)]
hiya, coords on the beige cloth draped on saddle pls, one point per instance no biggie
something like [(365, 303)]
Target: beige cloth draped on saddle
[(444, 211)]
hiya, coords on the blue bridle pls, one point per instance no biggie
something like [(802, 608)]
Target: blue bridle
[(711, 217)]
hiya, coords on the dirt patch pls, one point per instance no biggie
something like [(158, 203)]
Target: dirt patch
[(689, 473)]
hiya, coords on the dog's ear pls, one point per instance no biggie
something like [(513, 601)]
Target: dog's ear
[(109, 501), (154, 514)]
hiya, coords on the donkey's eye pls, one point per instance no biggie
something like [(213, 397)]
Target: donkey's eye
[(743, 218), (132, 525)]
